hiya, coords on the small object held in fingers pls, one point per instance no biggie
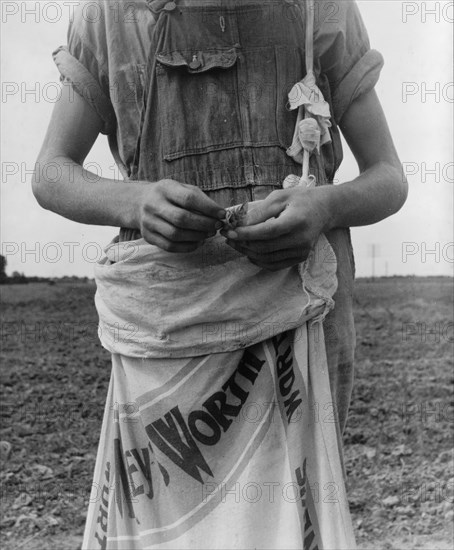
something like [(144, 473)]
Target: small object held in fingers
[(234, 216)]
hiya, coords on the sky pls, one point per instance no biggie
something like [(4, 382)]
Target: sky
[(415, 89)]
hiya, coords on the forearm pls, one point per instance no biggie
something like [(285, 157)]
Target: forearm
[(82, 196), (381, 189), (377, 193)]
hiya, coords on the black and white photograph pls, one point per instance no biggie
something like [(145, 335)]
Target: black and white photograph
[(227, 300)]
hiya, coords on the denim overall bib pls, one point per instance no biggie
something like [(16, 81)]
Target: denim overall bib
[(215, 116)]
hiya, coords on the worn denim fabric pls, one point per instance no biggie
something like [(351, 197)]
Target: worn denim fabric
[(110, 47), (197, 91)]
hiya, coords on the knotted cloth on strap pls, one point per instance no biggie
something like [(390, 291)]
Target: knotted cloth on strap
[(313, 120)]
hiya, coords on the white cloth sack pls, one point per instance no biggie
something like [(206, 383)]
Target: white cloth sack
[(215, 436), (231, 450), (153, 303)]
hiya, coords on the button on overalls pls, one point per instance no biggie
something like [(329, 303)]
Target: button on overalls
[(215, 116)]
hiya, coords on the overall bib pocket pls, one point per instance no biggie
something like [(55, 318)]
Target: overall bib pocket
[(196, 79), (206, 117)]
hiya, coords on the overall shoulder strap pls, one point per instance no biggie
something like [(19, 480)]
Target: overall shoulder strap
[(309, 36)]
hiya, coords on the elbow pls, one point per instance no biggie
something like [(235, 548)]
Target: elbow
[(37, 188), (41, 183), (398, 185), (401, 186)]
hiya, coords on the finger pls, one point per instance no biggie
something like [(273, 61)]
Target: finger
[(266, 231), (260, 211), (194, 199), (163, 243), (275, 256), (277, 266), (300, 253), (189, 220), (173, 233), (267, 247)]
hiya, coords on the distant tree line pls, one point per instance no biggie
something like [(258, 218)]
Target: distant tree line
[(3, 275), (19, 278)]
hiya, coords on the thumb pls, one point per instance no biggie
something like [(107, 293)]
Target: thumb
[(260, 211)]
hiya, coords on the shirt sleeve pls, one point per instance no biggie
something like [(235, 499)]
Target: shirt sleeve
[(83, 62), (341, 45)]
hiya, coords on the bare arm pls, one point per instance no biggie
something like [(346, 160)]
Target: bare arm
[(281, 232), (380, 190), (172, 215)]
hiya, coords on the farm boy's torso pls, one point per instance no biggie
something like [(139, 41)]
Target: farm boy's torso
[(205, 99), (200, 94)]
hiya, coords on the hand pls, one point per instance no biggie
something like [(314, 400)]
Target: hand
[(177, 217), (280, 231)]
